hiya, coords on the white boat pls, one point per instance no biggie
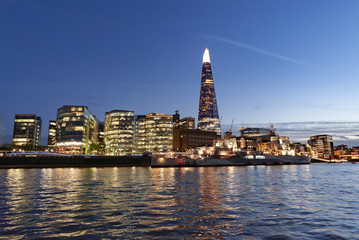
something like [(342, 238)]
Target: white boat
[(233, 160)]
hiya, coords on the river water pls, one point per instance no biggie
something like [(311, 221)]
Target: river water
[(317, 201)]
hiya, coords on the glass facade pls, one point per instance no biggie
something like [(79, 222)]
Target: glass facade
[(322, 146), (51, 139), (76, 130), (208, 119), (159, 132), (27, 130), (140, 134), (101, 132), (119, 132)]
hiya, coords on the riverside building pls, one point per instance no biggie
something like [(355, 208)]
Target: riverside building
[(27, 130), (119, 132), (208, 119), (51, 139), (140, 134), (153, 133), (322, 146), (159, 132), (186, 137), (76, 130), (101, 132)]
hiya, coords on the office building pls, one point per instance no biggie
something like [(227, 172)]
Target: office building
[(208, 119), (322, 146), (153, 133), (119, 132), (186, 137), (140, 134), (76, 130), (159, 132), (51, 139), (101, 132), (184, 123), (27, 130)]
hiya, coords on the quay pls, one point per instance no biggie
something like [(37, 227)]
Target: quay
[(35, 161)]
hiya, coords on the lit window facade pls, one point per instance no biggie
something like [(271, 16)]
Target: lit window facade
[(208, 119), (76, 130), (27, 130), (51, 139), (119, 132), (101, 132), (322, 146), (140, 134), (159, 132)]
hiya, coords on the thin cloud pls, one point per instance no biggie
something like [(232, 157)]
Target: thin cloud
[(256, 49), (342, 132)]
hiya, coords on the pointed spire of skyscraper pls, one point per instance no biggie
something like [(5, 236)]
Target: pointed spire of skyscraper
[(208, 119), (206, 58)]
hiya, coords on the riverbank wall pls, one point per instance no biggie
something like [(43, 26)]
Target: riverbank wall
[(74, 161)]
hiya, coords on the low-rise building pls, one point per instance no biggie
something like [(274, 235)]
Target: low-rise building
[(186, 137)]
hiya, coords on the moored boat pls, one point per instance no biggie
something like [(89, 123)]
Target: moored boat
[(178, 161)]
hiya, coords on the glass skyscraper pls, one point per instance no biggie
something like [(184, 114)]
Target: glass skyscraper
[(208, 119)]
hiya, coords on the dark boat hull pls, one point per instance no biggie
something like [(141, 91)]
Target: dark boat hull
[(235, 161)]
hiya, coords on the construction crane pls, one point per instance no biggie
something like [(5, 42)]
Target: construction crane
[(231, 125)]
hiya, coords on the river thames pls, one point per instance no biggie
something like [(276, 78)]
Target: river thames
[(317, 201)]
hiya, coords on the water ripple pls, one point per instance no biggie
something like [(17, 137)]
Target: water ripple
[(318, 201)]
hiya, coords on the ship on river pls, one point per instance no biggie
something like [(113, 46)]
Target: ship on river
[(255, 146), (239, 159)]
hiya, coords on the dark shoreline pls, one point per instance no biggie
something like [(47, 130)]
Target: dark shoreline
[(95, 161), (74, 161)]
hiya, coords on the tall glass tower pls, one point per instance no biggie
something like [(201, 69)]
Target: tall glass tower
[(208, 119)]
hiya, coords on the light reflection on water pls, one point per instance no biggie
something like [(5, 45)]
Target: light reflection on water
[(318, 201)]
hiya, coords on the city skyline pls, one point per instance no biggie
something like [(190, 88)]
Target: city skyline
[(283, 64)]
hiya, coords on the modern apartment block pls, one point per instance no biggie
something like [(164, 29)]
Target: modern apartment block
[(119, 132), (51, 139), (27, 130), (76, 130)]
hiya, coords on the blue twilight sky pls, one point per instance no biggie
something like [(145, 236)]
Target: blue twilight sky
[(272, 61)]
